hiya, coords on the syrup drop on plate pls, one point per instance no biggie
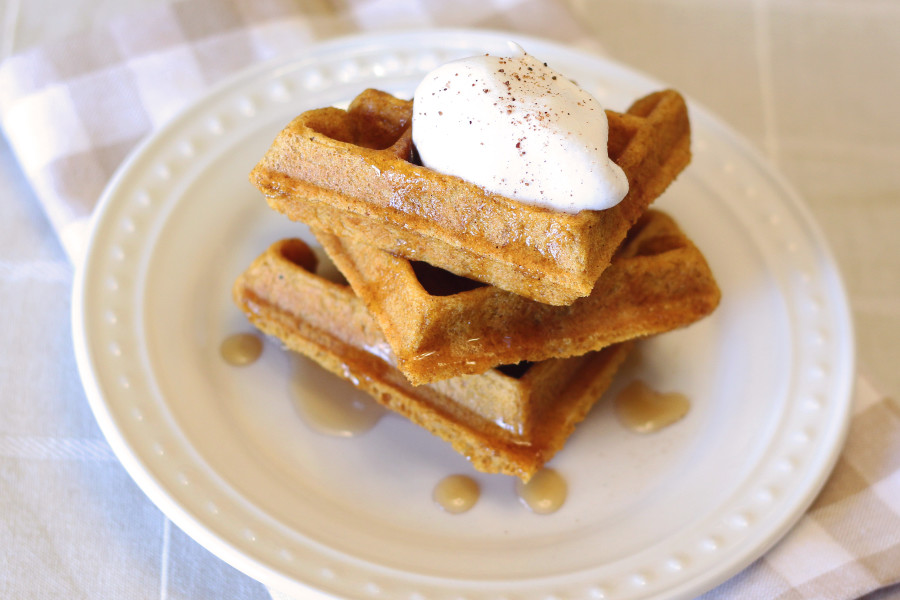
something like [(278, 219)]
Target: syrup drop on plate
[(331, 405), (644, 410), (456, 493), (544, 493), (241, 349)]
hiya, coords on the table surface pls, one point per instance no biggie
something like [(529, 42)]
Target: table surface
[(811, 83)]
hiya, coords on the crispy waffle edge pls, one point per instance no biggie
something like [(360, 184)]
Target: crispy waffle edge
[(659, 281), (348, 173)]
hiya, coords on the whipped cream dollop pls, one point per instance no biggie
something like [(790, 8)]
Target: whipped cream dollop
[(517, 128)]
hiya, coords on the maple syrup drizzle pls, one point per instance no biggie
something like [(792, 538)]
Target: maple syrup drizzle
[(241, 349), (544, 493), (456, 493), (644, 410), (336, 407)]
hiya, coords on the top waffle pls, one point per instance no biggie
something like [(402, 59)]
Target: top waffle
[(349, 173)]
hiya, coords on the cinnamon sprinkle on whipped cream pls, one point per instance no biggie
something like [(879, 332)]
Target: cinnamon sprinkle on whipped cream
[(517, 128)]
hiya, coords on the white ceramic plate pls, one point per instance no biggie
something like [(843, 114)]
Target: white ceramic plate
[(223, 453)]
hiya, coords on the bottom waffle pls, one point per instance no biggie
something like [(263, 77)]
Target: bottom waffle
[(509, 420)]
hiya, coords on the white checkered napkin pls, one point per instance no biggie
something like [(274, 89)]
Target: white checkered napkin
[(73, 109), (848, 543)]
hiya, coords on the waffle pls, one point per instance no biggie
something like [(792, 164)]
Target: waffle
[(348, 173), (508, 420), (440, 325)]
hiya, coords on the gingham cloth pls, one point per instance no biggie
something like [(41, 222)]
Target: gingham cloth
[(73, 109)]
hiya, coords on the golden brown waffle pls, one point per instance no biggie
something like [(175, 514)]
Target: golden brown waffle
[(347, 172), (503, 421), (441, 326)]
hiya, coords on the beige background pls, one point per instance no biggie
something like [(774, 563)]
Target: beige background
[(813, 84)]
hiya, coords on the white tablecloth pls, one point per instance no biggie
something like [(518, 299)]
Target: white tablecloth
[(810, 83)]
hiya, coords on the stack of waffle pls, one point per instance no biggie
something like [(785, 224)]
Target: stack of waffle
[(494, 324)]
